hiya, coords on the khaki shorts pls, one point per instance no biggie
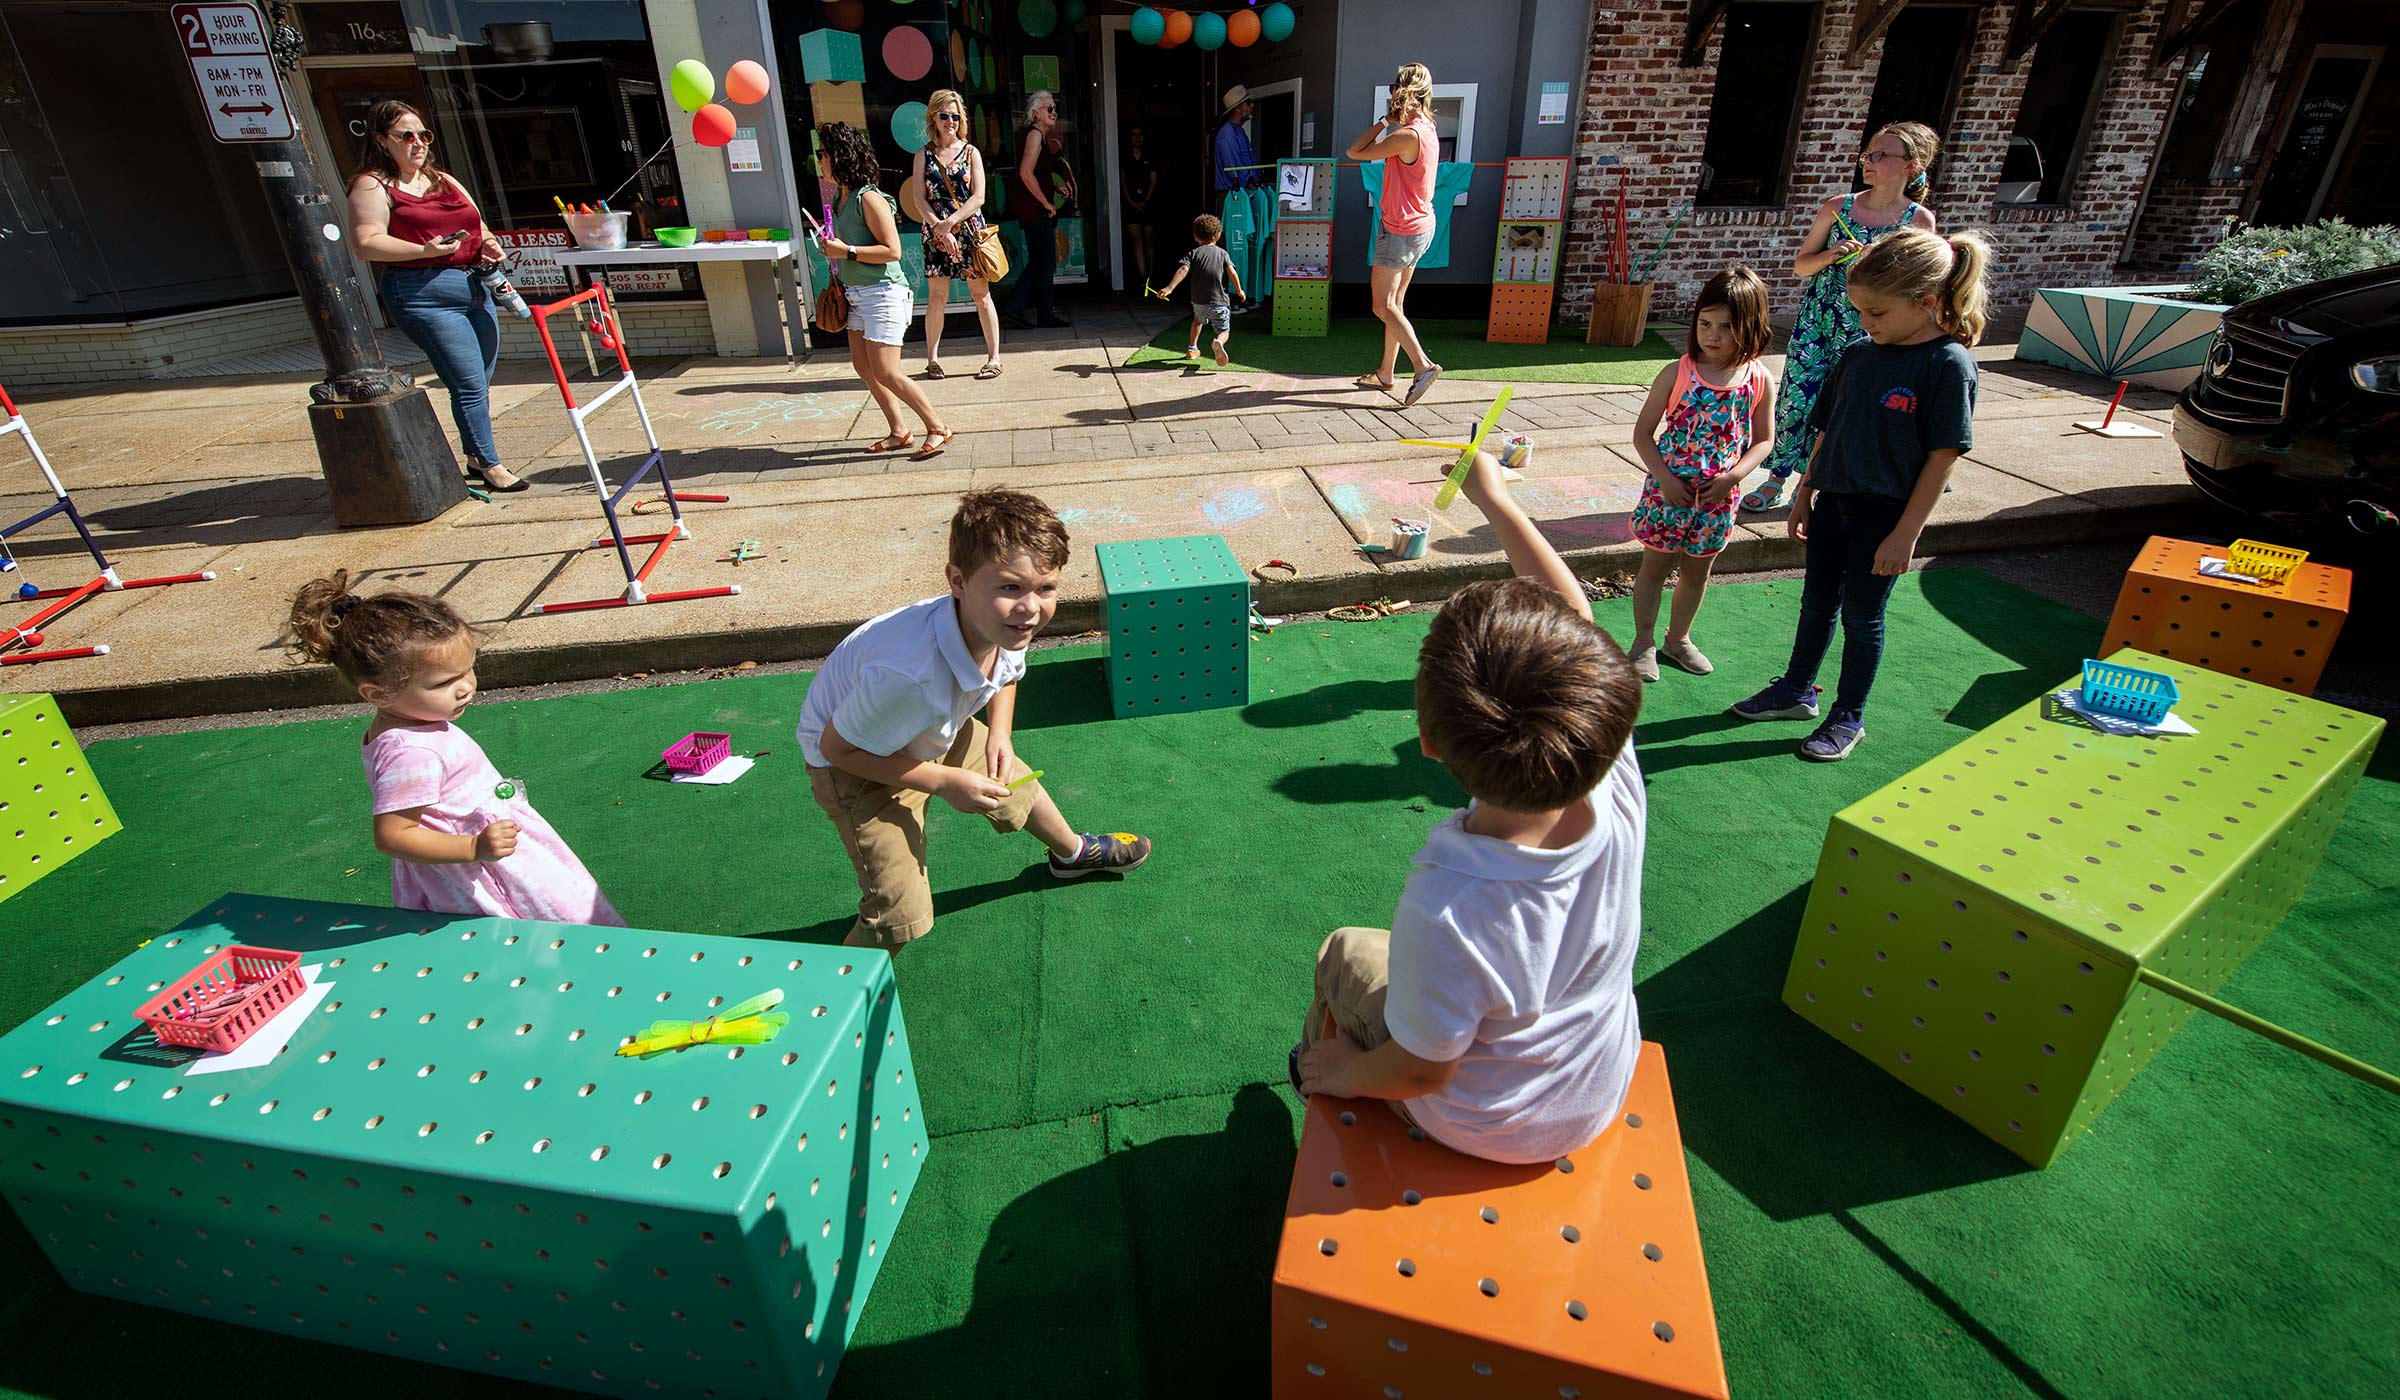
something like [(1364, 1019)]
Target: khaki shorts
[(883, 829), (1354, 970)]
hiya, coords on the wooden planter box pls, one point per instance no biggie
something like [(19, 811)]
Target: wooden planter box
[(1620, 314), (2142, 334)]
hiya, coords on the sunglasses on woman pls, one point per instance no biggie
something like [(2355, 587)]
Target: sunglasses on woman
[(947, 117), (414, 138)]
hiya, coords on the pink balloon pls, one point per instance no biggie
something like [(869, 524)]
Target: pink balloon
[(745, 82), (908, 53), (712, 125)]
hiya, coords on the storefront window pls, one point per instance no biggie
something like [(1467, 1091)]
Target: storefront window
[(1754, 109)]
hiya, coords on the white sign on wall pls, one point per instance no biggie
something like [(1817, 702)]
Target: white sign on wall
[(236, 76)]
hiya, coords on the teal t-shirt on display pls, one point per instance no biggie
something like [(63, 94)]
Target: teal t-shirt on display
[(1450, 180)]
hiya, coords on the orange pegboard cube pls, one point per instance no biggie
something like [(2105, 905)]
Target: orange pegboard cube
[(2275, 634), (1520, 314), (1407, 1269)]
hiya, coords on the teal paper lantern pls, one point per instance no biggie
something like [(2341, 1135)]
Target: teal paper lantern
[(1208, 30), (1276, 21), (1037, 17), (1149, 26), (1073, 11)]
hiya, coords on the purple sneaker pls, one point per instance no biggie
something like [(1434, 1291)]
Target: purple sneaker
[(1833, 741), (1103, 850), (1777, 701)]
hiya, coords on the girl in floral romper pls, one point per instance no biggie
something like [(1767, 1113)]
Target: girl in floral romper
[(1893, 166), (1718, 410)]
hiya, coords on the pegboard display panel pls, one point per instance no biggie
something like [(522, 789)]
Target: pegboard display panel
[(448, 1161), (1303, 252), (1520, 315), (51, 807), (1303, 308), (1527, 252), (1534, 187), (2275, 634), (1318, 205), (1406, 1268), (1178, 614), (1975, 927)]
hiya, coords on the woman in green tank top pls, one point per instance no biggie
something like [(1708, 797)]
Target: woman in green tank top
[(863, 248)]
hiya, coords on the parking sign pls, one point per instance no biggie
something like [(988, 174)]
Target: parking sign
[(238, 84)]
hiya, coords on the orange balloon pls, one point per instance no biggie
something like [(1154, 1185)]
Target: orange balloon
[(745, 82), (1241, 28), (1179, 28), (712, 125)]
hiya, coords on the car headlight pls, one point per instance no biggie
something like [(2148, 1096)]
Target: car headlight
[(2377, 376)]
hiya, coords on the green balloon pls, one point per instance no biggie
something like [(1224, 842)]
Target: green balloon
[(692, 84)]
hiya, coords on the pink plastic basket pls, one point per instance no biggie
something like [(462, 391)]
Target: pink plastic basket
[(217, 1005), (697, 753)]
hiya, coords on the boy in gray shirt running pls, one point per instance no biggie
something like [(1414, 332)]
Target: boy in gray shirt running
[(1211, 271)]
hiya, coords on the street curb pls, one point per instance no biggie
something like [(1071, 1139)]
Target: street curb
[(303, 686)]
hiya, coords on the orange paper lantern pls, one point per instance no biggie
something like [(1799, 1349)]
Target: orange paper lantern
[(1241, 29), (1179, 28)]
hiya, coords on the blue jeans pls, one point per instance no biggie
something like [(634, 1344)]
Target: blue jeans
[(1041, 264), (1844, 531), (447, 311)]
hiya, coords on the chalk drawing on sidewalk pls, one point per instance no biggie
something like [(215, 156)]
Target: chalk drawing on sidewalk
[(742, 420), (1074, 516), (1232, 506)]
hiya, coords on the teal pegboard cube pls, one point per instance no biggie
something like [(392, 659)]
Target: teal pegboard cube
[(1303, 307), (450, 1163), (1976, 927), (1178, 625), (51, 807), (832, 56)]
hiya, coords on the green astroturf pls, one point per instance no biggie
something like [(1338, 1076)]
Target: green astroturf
[(1355, 345), (1102, 1062)]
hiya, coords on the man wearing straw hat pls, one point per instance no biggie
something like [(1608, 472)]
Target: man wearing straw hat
[(1236, 164)]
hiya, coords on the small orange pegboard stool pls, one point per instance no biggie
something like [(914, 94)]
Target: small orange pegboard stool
[(1409, 1270), (2276, 634)]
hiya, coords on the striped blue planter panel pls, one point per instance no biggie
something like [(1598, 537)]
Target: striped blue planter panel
[(2142, 334)]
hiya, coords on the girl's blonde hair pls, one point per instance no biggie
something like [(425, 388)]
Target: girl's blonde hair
[(1412, 92), (1922, 146), (369, 639), (1744, 297), (1913, 264), (947, 97)]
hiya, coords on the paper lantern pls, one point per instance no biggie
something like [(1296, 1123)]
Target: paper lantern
[(692, 84), (907, 53), (845, 14), (1179, 28), (1275, 22), (1241, 28), (1037, 17), (1073, 11), (1208, 31), (746, 82), (1149, 26), (712, 125)]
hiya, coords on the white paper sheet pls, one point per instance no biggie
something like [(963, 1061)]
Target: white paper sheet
[(2217, 568), (2170, 723), (1297, 184), (720, 775), (268, 1040)]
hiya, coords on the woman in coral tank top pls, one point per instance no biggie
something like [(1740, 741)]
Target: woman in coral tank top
[(1405, 142)]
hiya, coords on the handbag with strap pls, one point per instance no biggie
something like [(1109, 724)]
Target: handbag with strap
[(833, 301), (990, 263)]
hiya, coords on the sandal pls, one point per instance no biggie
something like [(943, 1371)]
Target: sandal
[(990, 370), (891, 442), (934, 370), (1369, 381), (1766, 497), (935, 440)]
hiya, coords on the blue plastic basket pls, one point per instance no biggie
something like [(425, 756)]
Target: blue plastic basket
[(2122, 692)]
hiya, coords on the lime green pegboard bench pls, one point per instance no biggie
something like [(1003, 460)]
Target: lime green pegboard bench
[(1982, 927), (51, 807), (449, 1162)]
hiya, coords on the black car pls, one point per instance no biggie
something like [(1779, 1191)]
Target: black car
[(2296, 414)]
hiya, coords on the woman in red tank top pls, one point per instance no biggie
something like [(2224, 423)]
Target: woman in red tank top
[(430, 243), (1404, 141)]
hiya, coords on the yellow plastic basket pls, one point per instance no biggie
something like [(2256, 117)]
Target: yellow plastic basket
[(2272, 563)]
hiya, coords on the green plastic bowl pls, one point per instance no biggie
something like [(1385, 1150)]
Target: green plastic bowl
[(678, 237), (779, 235)]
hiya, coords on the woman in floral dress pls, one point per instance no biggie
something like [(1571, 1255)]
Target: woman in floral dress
[(949, 170)]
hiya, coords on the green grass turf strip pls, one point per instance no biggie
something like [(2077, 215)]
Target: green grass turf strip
[(1102, 1062), (1355, 345)]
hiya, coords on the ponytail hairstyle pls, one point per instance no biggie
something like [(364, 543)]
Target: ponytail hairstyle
[(375, 639), (1913, 264), (1922, 146), (1744, 298), (1412, 93)]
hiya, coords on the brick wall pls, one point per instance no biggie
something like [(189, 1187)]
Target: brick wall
[(2184, 219), (1645, 114)]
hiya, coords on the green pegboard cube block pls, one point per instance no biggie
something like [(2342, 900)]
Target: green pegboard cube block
[(1178, 625), (1303, 307), (51, 807), (450, 1163), (832, 56), (1976, 926)]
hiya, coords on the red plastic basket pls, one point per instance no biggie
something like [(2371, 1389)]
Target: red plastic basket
[(217, 1005), (697, 753)]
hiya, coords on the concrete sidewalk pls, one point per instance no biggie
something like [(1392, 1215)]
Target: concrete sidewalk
[(221, 474)]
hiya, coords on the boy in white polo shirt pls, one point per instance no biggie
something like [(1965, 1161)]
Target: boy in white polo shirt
[(1497, 1014), (890, 718)]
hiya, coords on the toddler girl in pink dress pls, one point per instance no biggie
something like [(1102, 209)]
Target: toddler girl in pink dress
[(462, 838)]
